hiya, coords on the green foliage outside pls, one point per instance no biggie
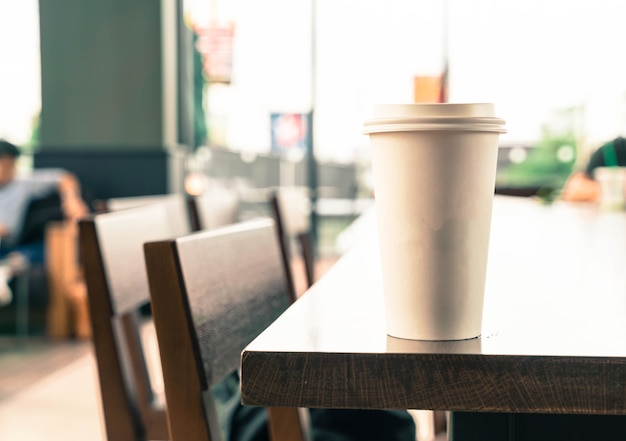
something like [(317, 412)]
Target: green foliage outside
[(549, 163)]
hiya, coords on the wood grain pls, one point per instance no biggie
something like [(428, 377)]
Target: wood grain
[(436, 381)]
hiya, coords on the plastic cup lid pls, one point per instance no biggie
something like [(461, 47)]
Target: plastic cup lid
[(444, 116)]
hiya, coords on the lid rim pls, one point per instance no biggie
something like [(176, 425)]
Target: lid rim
[(417, 110), (385, 128), (436, 120), (475, 117)]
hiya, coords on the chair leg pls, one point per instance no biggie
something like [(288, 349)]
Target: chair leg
[(428, 423), (58, 314), (285, 424), (21, 303), (80, 308), (68, 309)]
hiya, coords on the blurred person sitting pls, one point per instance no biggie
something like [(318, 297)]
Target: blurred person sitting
[(18, 192), (582, 186)]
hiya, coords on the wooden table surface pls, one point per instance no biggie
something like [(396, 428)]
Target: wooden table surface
[(553, 341)]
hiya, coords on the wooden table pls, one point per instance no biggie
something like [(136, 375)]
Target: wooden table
[(552, 353)]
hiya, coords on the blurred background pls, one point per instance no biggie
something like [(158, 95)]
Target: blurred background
[(277, 79)]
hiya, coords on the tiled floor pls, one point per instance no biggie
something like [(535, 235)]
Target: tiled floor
[(62, 406)]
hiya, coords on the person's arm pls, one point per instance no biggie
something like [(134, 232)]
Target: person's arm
[(580, 187), (71, 201)]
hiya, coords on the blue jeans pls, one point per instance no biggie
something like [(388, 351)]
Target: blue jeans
[(33, 251)]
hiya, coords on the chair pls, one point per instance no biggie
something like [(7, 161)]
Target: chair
[(126, 202), (286, 231), (68, 309), (177, 202), (217, 207), (117, 286), (212, 293)]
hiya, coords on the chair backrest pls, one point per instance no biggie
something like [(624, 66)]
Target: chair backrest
[(285, 234), (126, 202), (177, 203), (217, 207), (212, 293), (111, 247)]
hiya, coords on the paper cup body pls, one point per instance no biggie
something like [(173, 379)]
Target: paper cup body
[(434, 180)]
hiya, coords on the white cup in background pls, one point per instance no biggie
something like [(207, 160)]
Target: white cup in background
[(612, 182)]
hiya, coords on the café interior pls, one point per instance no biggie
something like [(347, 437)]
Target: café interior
[(185, 117)]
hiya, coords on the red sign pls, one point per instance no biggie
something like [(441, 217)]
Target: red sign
[(215, 43)]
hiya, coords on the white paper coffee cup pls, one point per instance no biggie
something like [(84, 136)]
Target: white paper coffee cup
[(612, 182), (434, 171)]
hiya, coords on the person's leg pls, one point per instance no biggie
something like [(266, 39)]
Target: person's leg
[(33, 252)]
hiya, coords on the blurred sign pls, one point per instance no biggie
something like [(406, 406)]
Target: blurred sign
[(290, 134), (431, 89), (215, 43)]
